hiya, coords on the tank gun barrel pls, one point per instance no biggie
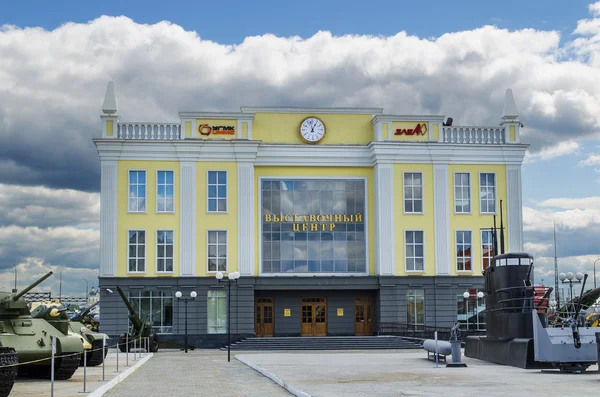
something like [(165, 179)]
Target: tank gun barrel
[(135, 319), (32, 286)]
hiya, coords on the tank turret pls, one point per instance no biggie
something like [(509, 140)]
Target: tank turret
[(54, 313), (12, 304)]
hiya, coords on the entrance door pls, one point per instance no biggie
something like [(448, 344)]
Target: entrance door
[(264, 317), (314, 317), (362, 317)]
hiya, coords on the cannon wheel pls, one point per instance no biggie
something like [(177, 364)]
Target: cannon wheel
[(122, 344), (153, 346)]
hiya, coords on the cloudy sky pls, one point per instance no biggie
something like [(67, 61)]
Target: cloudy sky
[(409, 58)]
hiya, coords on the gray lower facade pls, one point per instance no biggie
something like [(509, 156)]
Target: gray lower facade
[(387, 297)]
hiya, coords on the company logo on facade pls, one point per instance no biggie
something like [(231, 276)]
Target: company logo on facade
[(205, 129), (420, 129)]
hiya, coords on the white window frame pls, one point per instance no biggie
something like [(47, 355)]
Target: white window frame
[(164, 257), (470, 193), (422, 199), (145, 189), (415, 325), (482, 250), (145, 251), (223, 330), (481, 199), (208, 184), (217, 257), (414, 257), (158, 211), (456, 257)]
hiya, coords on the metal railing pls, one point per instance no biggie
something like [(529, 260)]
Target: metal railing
[(423, 331)]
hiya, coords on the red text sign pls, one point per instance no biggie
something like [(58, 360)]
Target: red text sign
[(420, 129)]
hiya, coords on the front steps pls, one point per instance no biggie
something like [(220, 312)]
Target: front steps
[(325, 343)]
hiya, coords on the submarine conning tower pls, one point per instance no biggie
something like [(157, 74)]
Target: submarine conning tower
[(509, 297)]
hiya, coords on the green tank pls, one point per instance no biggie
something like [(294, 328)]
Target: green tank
[(30, 339), (56, 314)]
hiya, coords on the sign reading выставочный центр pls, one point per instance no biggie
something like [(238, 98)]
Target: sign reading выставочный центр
[(312, 222)]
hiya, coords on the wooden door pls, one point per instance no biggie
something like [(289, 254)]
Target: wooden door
[(362, 317), (314, 317), (264, 324)]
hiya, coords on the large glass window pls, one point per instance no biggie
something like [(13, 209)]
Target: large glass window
[(313, 226), (164, 191), (487, 192), (413, 192), (217, 191), (137, 191), (462, 192), (470, 312), (487, 248), (164, 251), (217, 250), (415, 308), (137, 251), (414, 252), (156, 306), (217, 312), (463, 251)]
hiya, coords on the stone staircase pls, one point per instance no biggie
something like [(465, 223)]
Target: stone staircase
[(325, 343)]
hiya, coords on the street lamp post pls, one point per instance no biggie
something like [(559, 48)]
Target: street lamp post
[(231, 277), (568, 278), (466, 295), (86, 289), (594, 272), (15, 277), (193, 295)]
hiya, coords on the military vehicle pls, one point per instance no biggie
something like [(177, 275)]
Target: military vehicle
[(87, 318), (91, 341), (139, 329), (30, 339)]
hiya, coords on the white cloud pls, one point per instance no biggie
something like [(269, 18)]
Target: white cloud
[(594, 8), (592, 160), (548, 153)]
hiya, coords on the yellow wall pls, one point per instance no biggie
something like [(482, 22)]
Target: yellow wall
[(475, 221), (149, 221), (333, 172), (409, 125), (216, 221), (424, 222), (339, 128)]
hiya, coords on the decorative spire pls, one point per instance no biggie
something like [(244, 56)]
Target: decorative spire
[(510, 109), (110, 100)]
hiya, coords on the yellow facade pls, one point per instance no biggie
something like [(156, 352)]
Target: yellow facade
[(322, 172), (475, 221), (340, 128), (414, 221), (206, 221), (150, 220)]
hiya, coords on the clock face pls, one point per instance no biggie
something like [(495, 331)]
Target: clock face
[(312, 130)]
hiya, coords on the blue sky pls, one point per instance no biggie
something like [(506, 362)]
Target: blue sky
[(229, 22), (49, 170)]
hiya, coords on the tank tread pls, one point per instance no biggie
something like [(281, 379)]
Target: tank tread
[(64, 368), (8, 356), (95, 357)]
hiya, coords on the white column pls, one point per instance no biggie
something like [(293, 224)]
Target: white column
[(108, 217), (384, 219), (441, 213), (187, 210), (246, 240), (514, 208)]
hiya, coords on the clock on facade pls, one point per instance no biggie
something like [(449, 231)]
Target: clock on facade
[(312, 129)]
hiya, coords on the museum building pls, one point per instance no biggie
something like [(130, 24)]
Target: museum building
[(338, 220)]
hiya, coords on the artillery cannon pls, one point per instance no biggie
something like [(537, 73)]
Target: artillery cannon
[(139, 329), (55, 314), (84, 317), (24, 339)]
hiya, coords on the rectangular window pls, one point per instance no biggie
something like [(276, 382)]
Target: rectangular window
[(487, 192), (164, 191), (157, 306), (137, 191), (217, 312), (463, 251), (413, 247), (217, 250), (413, 192), (137, 251), (462, 193), (217, 191), (164, 251), (415, 308), (487, 248)]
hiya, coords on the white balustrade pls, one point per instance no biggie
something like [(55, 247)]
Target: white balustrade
[(482, 135), (150, 131)]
